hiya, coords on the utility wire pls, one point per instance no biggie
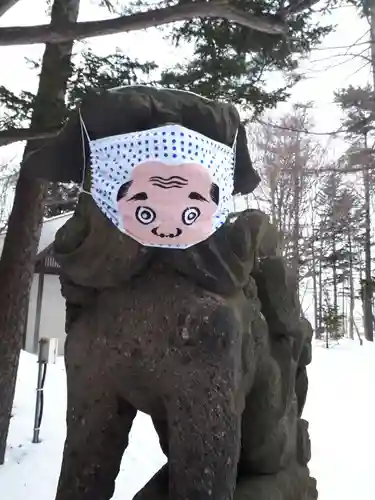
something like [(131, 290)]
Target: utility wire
[(340, 130)]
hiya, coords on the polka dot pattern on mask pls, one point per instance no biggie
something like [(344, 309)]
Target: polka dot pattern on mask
[(114, 158)]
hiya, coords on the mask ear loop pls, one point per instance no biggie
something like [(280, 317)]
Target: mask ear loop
[(84, 133), (234, 150), (234, 146)]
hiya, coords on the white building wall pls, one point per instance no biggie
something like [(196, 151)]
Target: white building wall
[(53, 305), (52, 323)]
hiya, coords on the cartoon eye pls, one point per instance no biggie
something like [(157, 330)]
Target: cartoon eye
[(190, 215), (145, 215)]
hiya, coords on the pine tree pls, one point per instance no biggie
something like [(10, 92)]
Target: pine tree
[(359, 107), (233, 63), (88, 71)]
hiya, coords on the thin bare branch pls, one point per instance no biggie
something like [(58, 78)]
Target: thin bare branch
[(24, 134), (350, 55), (21, 35), (17, 135), (295, 6), (109, 5), (340, 130)]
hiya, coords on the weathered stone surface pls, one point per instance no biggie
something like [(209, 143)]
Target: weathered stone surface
[(292, 483), (208, 367), (278, 305), (208, 341), (222, 264), (270, 244), (303, 442), (94, 253)]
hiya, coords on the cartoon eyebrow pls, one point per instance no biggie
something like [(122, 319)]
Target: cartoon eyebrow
[(172, 178), (139, 196), (123, 191), (174, 181), (196, 196)]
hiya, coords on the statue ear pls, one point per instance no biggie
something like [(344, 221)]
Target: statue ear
[(246, 179), (61, 158)]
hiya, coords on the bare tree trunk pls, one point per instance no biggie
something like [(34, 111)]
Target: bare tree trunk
[(343, 307), (315, 288), (351, 285), (296, 173), (371, 5), (334, 253), (328, 327), (273, 204), (368, 323), (296, 228), (21, 242), (334, 275), (369, 330), (362, 293), (358, 334), (320, 316)]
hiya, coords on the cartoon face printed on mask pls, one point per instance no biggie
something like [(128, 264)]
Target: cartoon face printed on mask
[(168, 204)]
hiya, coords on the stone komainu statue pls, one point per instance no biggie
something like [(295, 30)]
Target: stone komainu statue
[(171, 308)]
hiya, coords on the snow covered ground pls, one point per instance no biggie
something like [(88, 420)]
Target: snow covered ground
[(340, 408)]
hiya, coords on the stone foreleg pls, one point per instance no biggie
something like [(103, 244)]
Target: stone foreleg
[(204, 406), (98, 421)]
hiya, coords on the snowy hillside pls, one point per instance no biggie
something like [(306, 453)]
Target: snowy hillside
[(340, 408)]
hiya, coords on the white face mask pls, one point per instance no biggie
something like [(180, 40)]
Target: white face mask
[(168, 187)]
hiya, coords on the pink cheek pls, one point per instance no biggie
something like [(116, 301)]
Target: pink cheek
[(127, 211), (122, 208), (131, 223)]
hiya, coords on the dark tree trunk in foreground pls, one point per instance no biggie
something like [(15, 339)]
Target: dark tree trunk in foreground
[(21, 242)]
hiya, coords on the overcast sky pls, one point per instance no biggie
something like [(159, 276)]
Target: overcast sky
[(326, 70)]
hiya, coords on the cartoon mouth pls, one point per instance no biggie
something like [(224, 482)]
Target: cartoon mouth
[(170, 235)]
